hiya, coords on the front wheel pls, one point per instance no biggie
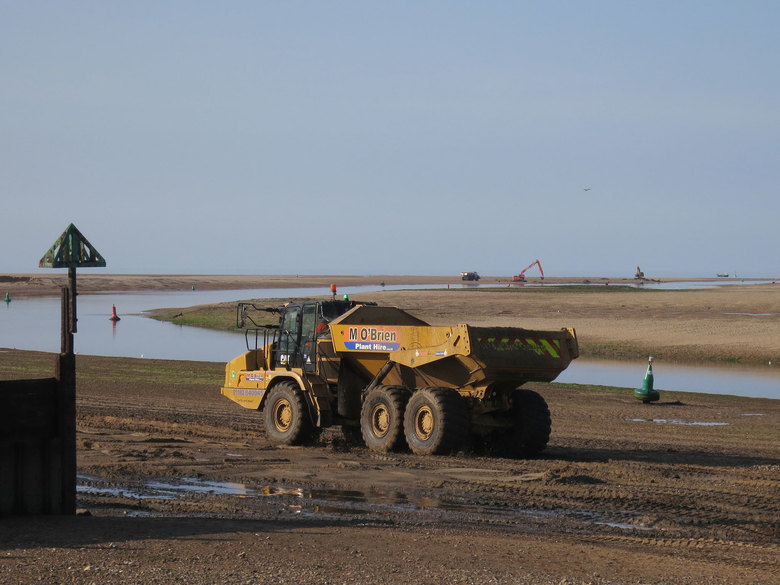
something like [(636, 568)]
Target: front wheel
[(287, 421), (436, 421)]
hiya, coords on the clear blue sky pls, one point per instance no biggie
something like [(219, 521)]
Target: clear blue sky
[(361, 137)]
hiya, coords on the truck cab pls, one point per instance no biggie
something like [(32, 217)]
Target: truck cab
[(292, 343), (301, 324)]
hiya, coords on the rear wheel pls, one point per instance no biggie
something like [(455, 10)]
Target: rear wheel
[(382, 417), (436, 421), (530, 417), (287, 421)]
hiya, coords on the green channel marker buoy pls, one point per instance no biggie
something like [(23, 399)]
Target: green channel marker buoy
[(646, 393), (7, 297)]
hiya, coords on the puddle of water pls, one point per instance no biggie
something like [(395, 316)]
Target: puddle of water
[(275, 490), (202, 487), (121, 492), (600, 520), (624, 526), (334, 503), (163, 490), (331, 500), (373, 497), (675, 421), (330, 511)]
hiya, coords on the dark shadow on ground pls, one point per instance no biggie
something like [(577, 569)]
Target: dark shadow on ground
[(668, 456), (79, 531)]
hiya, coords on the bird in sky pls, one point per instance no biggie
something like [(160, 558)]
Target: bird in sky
[(586, 189)]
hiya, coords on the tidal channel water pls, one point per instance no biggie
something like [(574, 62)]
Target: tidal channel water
[(34, 324)]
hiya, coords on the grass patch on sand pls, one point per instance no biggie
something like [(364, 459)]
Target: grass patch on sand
[(19, 364), (221, 316), (683, 354), (586, 388), (23, 365)]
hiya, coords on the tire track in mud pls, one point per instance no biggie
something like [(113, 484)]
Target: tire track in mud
[(748, 510), (183, 418), (738, 553)]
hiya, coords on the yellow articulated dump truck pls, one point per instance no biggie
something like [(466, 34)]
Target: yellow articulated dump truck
[(391, 379)]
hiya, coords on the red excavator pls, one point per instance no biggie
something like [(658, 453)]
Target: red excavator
[(521, 277)]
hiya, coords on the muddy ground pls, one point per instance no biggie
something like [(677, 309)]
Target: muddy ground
[(181, 486)]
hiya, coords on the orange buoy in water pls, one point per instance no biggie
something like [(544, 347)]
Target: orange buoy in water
[(114, 316)]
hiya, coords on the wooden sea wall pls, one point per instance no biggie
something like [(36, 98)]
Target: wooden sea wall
[(38, 444)]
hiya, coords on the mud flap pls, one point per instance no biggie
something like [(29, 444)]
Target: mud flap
[(350, 386)]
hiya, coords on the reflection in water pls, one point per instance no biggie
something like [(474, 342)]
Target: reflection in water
[(339, 503), (677, 421)]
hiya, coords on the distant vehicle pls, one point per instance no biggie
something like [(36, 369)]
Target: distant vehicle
[(723, 275), (469, 276), (521, 277)]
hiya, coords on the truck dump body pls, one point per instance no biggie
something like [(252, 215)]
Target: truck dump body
[(460, 356), (523, 354)]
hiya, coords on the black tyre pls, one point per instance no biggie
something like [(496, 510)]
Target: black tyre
[(382, 418), (530, 417), (287, 419), (436, 421)]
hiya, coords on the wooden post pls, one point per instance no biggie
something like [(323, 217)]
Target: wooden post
[(73, 293), (66, 428), (66, 403), (66, 335)]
